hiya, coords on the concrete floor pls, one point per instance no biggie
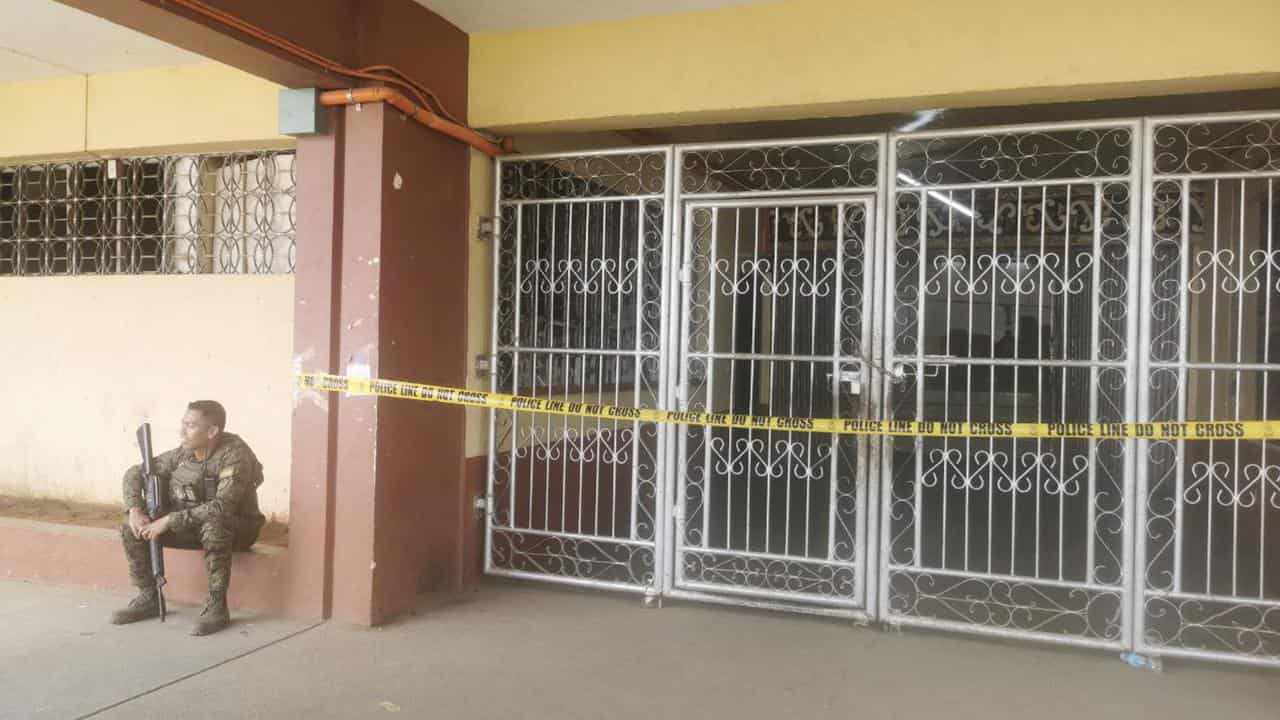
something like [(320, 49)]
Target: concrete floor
[(516, 650), (60, 658)]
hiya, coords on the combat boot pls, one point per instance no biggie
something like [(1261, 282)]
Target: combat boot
[(214, 617), (143, 607)]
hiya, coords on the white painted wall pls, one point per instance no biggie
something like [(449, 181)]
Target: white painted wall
[(85, 360)]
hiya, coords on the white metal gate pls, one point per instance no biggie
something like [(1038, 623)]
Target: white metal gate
[(991, 275), (1210, 522), (777, 240), (580, 313), (1010, 301), (773, 324)]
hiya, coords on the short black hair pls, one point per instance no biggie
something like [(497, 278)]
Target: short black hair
[(212, 411)]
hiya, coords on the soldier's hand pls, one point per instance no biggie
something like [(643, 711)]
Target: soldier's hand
[(137, 520), (156, 529)]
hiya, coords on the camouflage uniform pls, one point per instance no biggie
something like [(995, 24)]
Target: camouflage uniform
[(213, 506)]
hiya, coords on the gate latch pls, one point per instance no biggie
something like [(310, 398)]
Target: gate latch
[(851, 377), (933, 365)]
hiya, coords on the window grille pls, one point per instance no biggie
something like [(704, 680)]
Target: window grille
[(232, 213)]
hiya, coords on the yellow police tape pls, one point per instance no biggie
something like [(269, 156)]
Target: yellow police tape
[(1240, 430)]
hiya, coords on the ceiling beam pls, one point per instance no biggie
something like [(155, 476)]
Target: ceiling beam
[(400, 33), (180, 28)]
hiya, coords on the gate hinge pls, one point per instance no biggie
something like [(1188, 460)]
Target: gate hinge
[(483, 505), (486, 227), (486, 365), (686, 273)]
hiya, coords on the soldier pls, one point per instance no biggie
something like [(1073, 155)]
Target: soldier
[(212, 483)]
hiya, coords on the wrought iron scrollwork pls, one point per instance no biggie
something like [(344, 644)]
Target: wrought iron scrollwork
[(1232, 627), (1018, 156), (825, 580), (772, 168), (232, 213), (1008, 605), (1223, 146), (582, 282), (1209, 582), (576, 558), (583, 176)]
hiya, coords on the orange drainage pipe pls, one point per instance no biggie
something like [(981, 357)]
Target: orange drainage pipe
[(424, 117)]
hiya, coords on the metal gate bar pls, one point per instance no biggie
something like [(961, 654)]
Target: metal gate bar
[(763, 326), (1209, 587), (1003, 281), (788, 262), (1008, 298), (580, 311)]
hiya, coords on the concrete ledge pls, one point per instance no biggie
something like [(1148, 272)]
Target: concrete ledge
[(92, 557)]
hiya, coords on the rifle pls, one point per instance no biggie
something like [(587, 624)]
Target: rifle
[(155, 510)]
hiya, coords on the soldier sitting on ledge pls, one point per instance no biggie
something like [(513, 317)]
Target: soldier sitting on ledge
[(213, 481)]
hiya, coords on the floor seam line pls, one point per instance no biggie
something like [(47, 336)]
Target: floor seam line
[(201, 671)]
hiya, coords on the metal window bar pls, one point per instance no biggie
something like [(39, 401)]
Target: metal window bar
[(176, 214)]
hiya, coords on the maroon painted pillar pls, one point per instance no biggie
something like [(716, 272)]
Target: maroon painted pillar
[(315, 337), (399, 497)]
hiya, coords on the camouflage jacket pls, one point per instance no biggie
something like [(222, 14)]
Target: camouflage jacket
[(224, 485)]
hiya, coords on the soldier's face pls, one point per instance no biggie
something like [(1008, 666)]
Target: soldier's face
[(197, 433)]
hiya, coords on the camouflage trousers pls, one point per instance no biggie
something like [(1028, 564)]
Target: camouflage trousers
[(217, 537)]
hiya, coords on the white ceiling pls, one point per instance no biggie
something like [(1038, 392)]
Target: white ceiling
[(42, 39), (500, 15)]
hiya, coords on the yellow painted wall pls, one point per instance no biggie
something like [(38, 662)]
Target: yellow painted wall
[(210, 105), (87, 359), (813, 58), (479, 296), (75, 383), (191, 107), (40, 118), (807, 58)]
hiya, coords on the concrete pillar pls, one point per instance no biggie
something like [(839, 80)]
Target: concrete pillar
[(317, 284), (399, 495)]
